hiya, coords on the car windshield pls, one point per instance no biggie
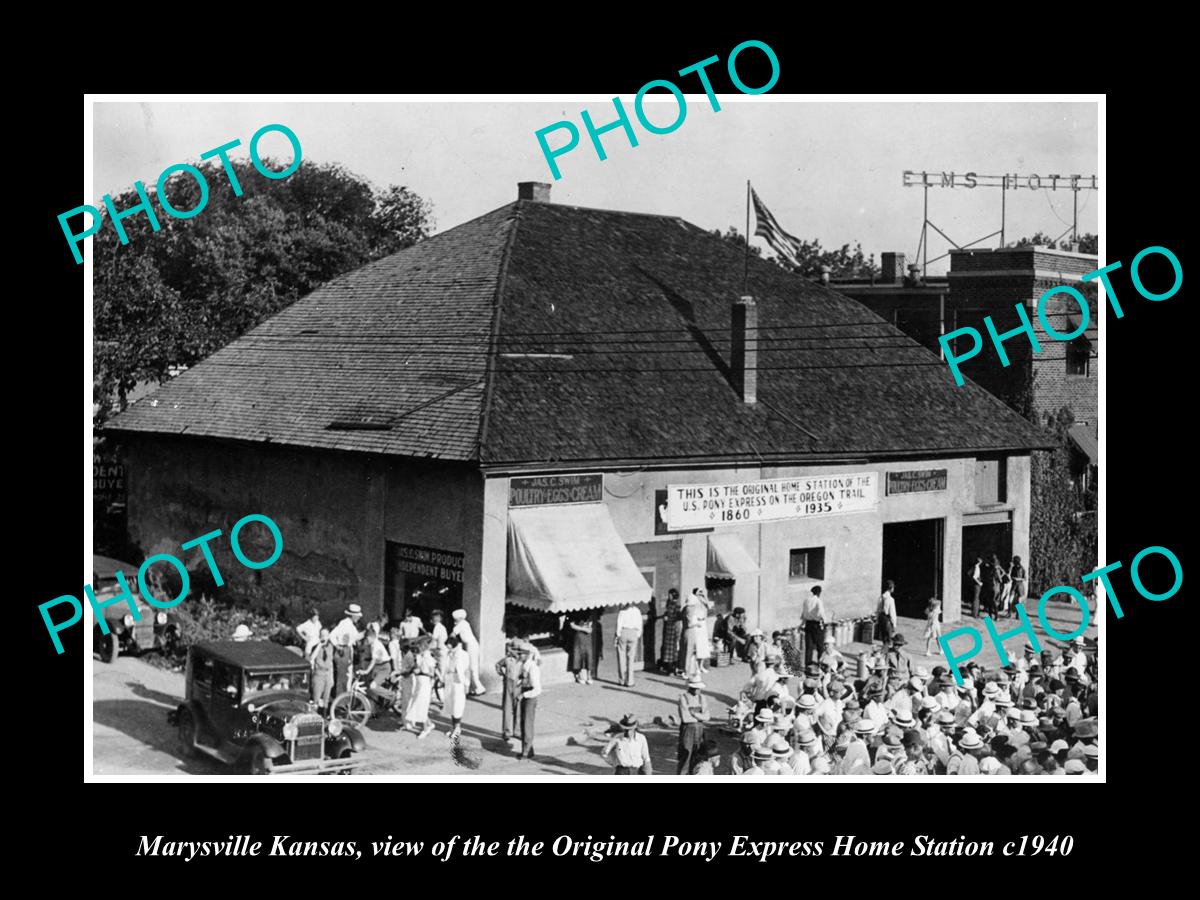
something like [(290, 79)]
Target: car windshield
[(276, 681)]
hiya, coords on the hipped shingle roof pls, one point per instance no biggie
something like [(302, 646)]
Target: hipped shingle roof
[(549, 333)]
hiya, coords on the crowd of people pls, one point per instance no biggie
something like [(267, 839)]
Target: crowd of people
[(1035, 716), (407, 667), (799, 714)]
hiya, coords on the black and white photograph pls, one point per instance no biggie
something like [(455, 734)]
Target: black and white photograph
[(537, 438)]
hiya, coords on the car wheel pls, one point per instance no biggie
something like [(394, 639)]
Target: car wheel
[(187, 735), (259, 762), (111, 648), (345, 754)]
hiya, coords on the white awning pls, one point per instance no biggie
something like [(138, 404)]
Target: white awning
[(564, 558), (727, 558)]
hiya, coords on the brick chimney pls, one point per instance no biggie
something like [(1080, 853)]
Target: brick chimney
[(744, 350), (892, 265), (533, 190)]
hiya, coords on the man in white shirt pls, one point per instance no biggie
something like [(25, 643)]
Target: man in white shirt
[(411, 626), (531, 689), (632, 753), (976, 585), (629, 635), (310, 630), (814, 618), (346, 631)]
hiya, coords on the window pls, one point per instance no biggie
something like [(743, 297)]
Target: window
[(1079, 355), (541, 629), (202, 670), (991, 481), (227, 682), (806, 563)]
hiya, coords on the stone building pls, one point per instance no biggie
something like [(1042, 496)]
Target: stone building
[(552, 411)]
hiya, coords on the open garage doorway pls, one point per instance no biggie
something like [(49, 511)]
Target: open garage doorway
[(912, 557)]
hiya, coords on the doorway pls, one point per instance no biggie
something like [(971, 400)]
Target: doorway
[(912, 557), (980, 542)]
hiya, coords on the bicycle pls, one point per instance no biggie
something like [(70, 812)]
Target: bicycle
[(364, 702)]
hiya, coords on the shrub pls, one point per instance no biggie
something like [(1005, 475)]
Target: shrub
[(201, 619)]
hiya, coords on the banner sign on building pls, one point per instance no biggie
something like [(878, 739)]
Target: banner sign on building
[(428, 561), (700, 505), (917, 481), (544, 490)]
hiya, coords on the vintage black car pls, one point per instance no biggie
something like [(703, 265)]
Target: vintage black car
[(247, 704), (155, 630)]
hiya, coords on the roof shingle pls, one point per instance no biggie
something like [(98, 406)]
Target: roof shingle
[(612, 342)]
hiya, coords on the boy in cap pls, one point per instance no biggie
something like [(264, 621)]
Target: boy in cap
[(693, 715), (629, 749), (530, 690), (509, 670)]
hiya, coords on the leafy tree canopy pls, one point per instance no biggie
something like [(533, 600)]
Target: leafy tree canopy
[(172, 297), (1088, 243), (845, 262)]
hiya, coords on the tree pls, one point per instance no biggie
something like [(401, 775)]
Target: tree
[(173, 297), (1063, 538), (1088, 242), (845, 262)]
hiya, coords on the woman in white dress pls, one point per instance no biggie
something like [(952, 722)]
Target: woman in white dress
[(462, 628), (458, 676), (699, 620), (416, 716)]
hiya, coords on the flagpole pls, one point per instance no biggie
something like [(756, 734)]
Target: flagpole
[(746, 263)]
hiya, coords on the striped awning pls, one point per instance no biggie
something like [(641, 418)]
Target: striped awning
[(565, 558)]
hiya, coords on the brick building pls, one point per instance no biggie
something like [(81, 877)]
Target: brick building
[(549, 411), (989, 283)]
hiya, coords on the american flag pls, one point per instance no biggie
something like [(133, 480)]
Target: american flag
[(767, 228)]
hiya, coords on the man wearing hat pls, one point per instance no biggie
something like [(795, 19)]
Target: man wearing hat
[(1075, 767), (813, 615), (1085, 734), (348, 627), (321, 658), (972, 748), (760, 756), (530, 690), (857, 760), (806, 711), (709, 759), (947, 693), (891, 748), (631, 753), (877, 679), (899, 663), (509, 670), (344, 636), (875, 711), (693, 715), (937, 738)]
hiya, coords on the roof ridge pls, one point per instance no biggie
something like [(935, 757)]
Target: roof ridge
[(494, 339)]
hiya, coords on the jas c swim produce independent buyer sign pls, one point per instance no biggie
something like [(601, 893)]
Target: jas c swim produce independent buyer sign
[(701, 505)]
